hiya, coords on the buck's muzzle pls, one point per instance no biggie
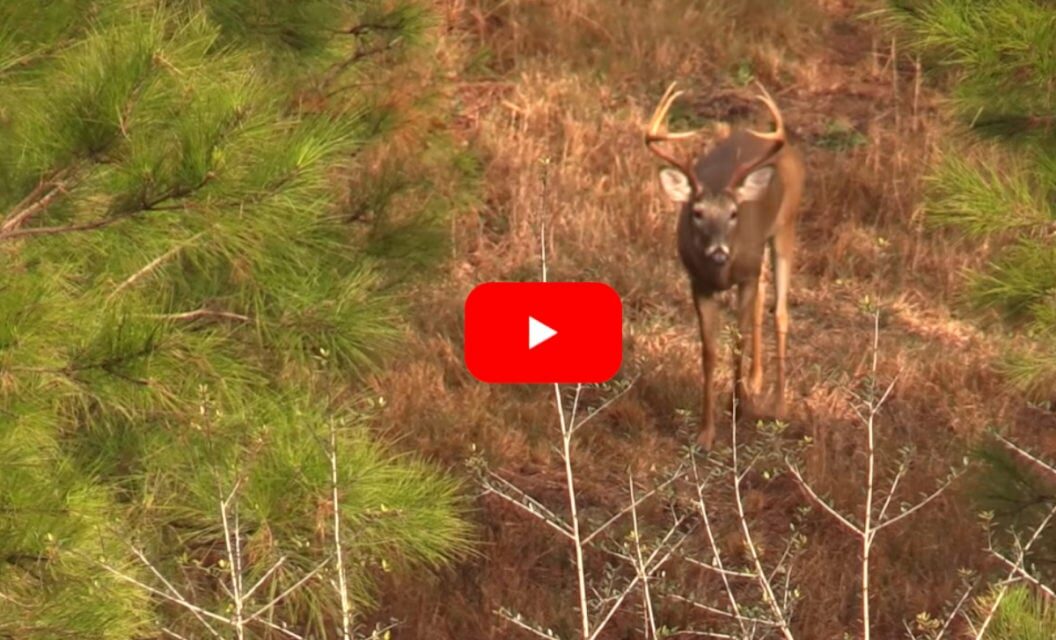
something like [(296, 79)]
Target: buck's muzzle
[(719, 255)]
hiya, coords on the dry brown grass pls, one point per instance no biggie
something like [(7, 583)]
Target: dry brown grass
[(558, 125)]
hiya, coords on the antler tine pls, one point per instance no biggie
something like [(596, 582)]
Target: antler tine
[(779, 122), (777, 136), (657, 128), (658, 132)]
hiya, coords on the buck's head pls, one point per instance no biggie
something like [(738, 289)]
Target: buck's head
[(714, 215)]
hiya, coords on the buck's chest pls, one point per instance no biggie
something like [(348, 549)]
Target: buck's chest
[(707, 276)]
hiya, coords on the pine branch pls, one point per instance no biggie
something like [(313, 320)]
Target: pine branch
[(38, 200), (146, 206)]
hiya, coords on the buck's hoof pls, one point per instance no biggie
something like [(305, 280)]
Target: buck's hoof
[(706, 439), (745, 403), (779, 408), (773, 409), (755, 385)]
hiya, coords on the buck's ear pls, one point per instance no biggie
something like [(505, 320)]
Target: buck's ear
[(755, 185), (676, 185)]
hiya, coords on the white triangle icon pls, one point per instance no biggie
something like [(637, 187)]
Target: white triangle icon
[(538, 333)]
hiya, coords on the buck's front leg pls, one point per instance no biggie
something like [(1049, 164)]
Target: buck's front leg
[(708, 315), (755, 380), (749, 320)]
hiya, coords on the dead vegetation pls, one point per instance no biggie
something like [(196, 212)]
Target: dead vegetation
[(554, 100)]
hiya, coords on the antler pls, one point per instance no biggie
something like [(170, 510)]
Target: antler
[(777, 136), (657, 132)]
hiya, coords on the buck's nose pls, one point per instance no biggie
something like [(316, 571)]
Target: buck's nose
[(719, 255)]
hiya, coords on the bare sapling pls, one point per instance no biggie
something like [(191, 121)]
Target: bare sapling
[(873, 519)]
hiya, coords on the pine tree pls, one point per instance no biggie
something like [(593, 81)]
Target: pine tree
[(187, 283), (1021, 616), (996, 186)]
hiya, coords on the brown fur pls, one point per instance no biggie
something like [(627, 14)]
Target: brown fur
[(768, 220)]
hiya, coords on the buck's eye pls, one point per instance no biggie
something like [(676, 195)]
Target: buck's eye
[(733, 216)]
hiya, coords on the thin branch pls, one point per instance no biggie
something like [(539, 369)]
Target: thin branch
[(280, 629), (634, 503), (1012, 573), (173, 590), (542, 249), (263, 578), (817, 499), (145, 206), (274, 601), (640, 564), (652, 564), (867, 525), (749, 543), (781, 561), (716, 555), (38, 200), (360, 54), (50, 231), (575, 407), (605, 405), (566, 455), (161, 594), (233, 542), (577, 540), (1047, 467), (953, 614), (934, 494), (519, 622), (741, 618), (719, 570), (891, 491), (526, 502), (1026, 575), (346, 609), (150, 266), (202, 313)]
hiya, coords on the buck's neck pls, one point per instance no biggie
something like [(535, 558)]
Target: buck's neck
[(755, 220), (715, 168)]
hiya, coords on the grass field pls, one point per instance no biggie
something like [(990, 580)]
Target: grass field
[(553, 96)]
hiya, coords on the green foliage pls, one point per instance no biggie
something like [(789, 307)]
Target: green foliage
[(183, 298), (987, 195), (1022, 615), (1016, 499), (56, 521), (1003, 55), (1011, 492), (1000, 58)]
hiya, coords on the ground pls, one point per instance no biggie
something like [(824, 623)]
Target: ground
[(555, 108)]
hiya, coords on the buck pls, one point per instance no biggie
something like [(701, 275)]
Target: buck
[(740, 196)]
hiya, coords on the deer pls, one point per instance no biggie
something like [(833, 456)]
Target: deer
[(740, 197)]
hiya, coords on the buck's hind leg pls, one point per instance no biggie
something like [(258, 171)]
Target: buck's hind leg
[(782, 248)]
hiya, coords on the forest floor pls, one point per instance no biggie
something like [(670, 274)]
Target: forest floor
[(554, 102)]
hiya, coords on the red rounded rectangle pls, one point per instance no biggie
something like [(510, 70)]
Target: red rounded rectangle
[(543, 332)]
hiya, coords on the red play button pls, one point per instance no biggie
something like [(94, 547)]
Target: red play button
[(542, 332)]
